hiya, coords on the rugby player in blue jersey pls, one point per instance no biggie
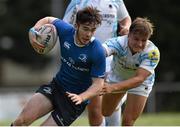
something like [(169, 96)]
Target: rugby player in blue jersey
[(81, 75)]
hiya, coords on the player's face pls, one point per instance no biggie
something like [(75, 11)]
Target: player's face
[(84, 33), (137, 42)]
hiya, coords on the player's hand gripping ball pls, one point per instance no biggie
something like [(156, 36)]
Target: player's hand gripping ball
[(44, 39)]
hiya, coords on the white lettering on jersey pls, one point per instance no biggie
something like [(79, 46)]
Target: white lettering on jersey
[(73, 66), (83, 57), (67, 45)]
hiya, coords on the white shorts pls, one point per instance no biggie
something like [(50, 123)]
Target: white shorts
[(142, 90)]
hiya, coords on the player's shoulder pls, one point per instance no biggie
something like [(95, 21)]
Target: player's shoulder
[(97, 51), (150, 46), (60, 22), (120, 41), (152, 51), (96, 45), (63, 27)]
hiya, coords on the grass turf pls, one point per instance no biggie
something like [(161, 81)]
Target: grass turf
[(157, 119)]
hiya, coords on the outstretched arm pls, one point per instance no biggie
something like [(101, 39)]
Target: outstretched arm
[(133, 82), (93, 90)]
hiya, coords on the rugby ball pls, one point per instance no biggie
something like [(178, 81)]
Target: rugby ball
[(44, 39)]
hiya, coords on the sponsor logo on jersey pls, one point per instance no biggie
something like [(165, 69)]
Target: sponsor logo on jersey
[(67, 45), (73, 66), (48, 90), (154, 56), (71, 60), (83, 57)]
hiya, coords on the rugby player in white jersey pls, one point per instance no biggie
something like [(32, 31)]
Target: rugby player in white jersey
[(135, 58), (115, 15)]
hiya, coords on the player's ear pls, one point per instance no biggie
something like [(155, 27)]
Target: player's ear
[(76, 25)]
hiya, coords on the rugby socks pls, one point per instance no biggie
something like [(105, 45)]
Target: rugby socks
[(103, 122), (114, 119)]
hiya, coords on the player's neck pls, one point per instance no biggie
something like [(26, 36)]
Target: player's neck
[(77, 41)]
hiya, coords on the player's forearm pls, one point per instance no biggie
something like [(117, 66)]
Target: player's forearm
[(126, 22), (124, 26), (93, 90), (128, 84), (140, 76), (46, 20)]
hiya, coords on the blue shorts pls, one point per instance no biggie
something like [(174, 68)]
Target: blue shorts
[(65, 111)]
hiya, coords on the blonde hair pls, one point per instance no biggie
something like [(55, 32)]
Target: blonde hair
[(142, 26)]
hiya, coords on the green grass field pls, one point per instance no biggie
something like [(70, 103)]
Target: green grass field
[(158, 119)]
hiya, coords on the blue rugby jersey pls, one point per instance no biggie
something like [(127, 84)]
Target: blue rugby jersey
[(79, 64)]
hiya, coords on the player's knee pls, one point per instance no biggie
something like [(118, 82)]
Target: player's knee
[(106, 113), (95, 118), (94, 113)]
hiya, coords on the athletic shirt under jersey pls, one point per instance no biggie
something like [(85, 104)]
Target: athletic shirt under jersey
[(111, 11), (78, 64), (124, 64)]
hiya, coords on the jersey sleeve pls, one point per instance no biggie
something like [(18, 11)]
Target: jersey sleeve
[(70, 13), (150, 60), (122, 10), (63, 28), (60, 25), (112, 46), (99, 63)]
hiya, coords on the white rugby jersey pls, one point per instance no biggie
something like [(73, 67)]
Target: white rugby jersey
[(124, 64), (111, 10)]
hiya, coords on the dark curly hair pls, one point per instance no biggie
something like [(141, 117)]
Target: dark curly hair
[(89, 15)]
